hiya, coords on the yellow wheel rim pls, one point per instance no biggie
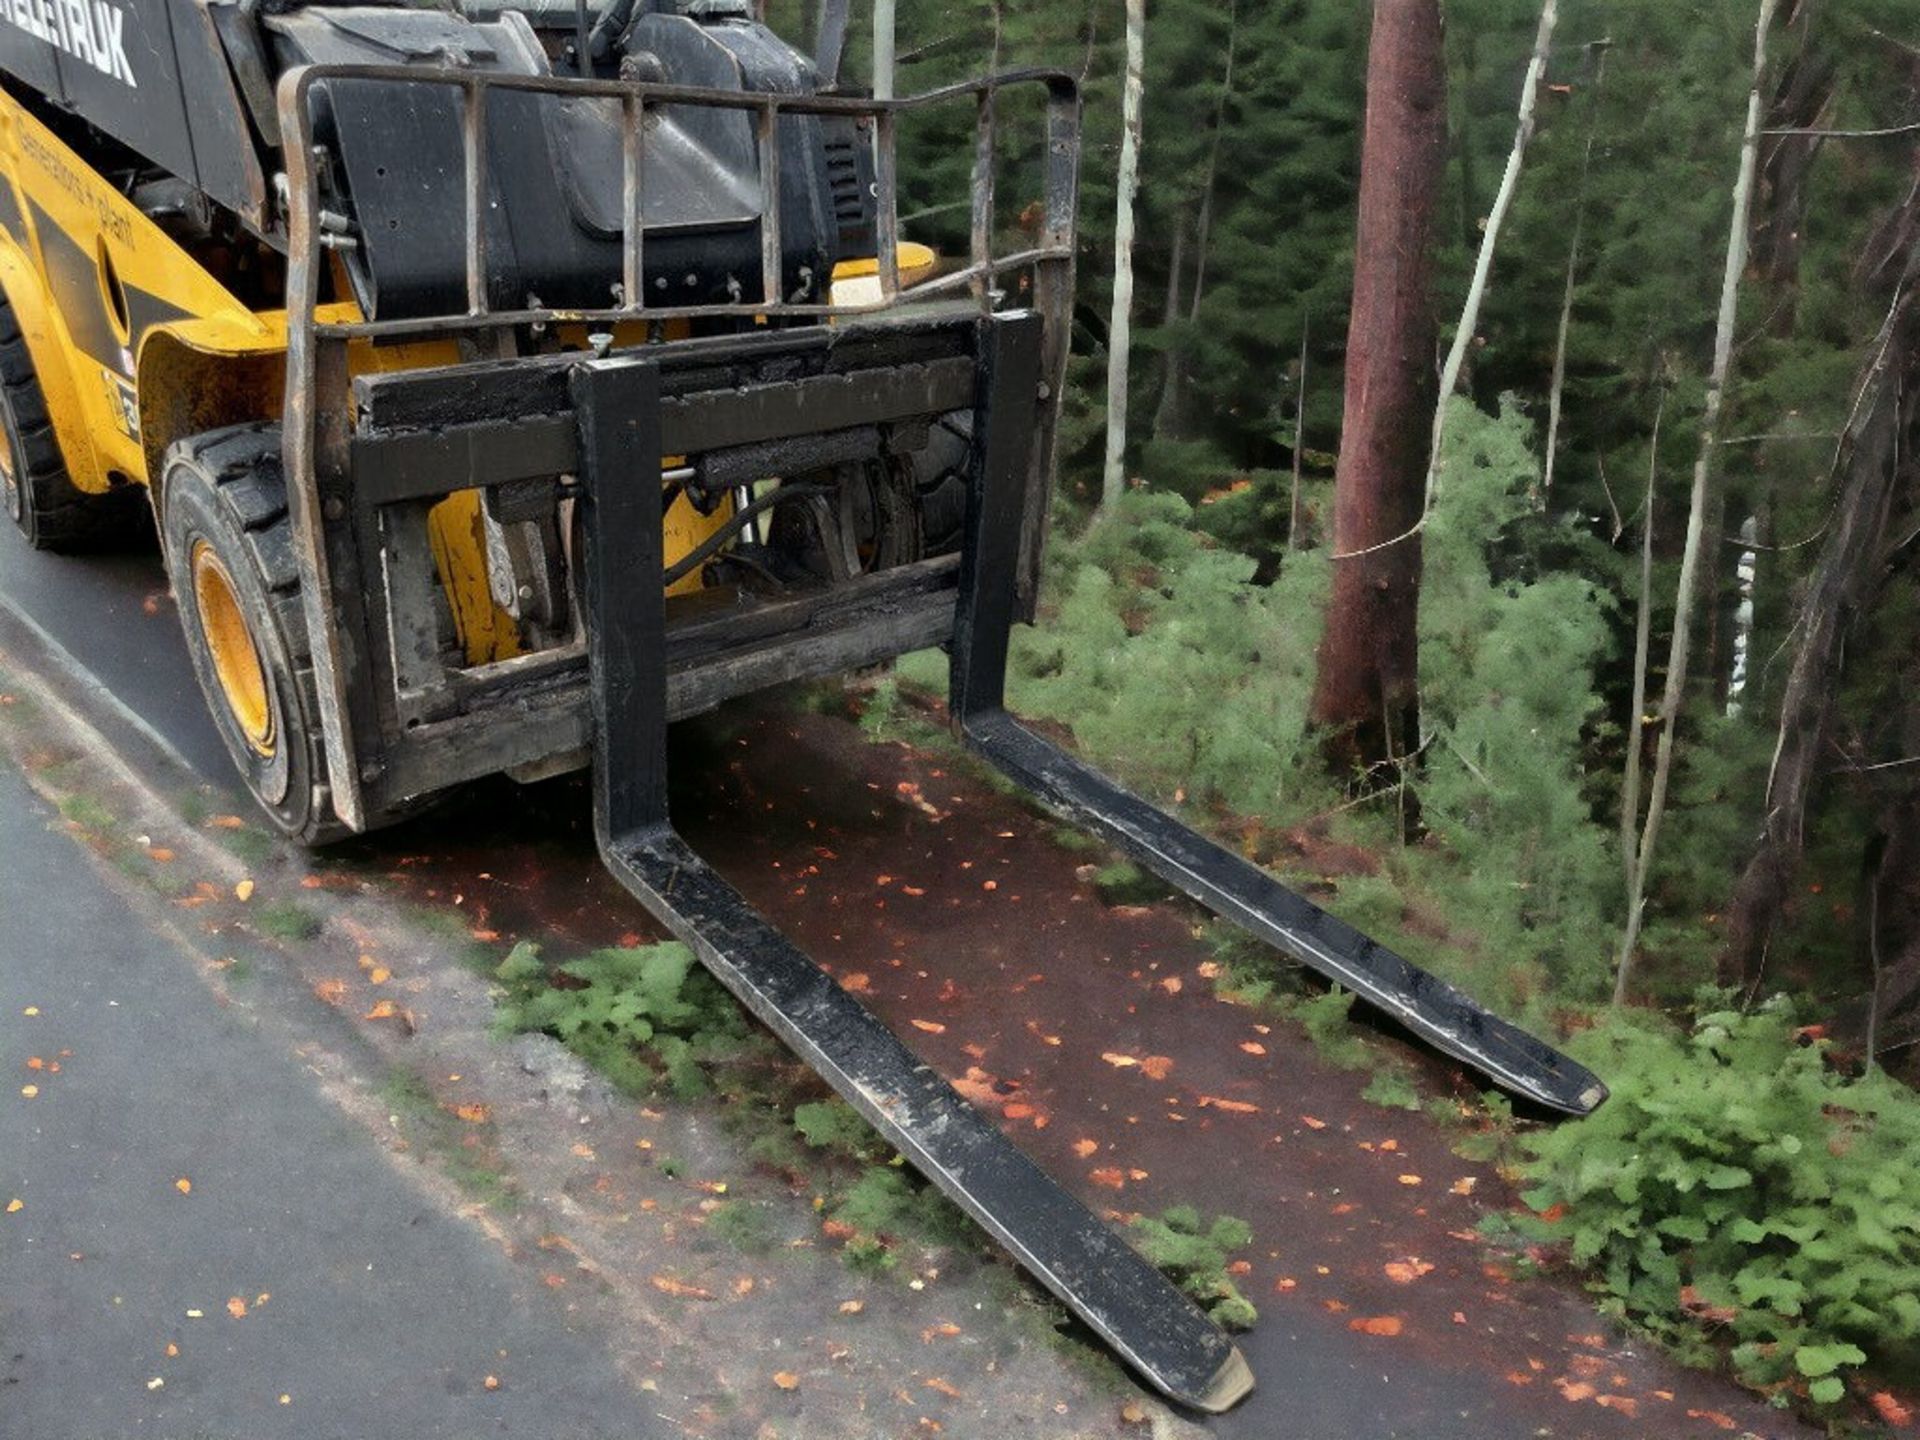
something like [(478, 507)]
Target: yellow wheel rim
[(236, 660)]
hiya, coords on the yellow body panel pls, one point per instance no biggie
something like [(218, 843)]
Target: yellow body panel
[(136, 345), (90, 277)]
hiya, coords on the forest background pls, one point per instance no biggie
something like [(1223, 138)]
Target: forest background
[(1698, 860)]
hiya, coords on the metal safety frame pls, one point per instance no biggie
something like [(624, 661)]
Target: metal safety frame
[(328, 444)]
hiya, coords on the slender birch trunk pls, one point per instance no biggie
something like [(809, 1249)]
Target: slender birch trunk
[(1490, 240), (1113, 480), (1556, 393), (1295, 540), (1636, 717), (1700, 505)]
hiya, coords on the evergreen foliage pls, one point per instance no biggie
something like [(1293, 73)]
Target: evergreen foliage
[(1195, 1256)]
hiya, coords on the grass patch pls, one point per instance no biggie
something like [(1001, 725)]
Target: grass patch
[(248, 845), (745, 1225), (285, 920), (86, 812)]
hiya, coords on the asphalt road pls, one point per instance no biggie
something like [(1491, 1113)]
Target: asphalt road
[(382, 1315)]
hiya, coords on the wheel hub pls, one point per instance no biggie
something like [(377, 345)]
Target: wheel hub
[(236, 659)]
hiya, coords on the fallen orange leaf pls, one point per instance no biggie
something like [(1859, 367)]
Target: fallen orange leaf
[(1253, 1047), (492, 1382), (29, 1091), (1233, 1107), (1084, 1148), (34, 1062), (183, 1185), (1313, 1124), (1464, 1185), (932, 1027), (473, 1114), (946, 1329), (1625, 1404), (382, 1010), (244, 890), (936, 1383), (786, 1379), (227, 822), (1376, 1325), (237, 1308), (1109, 1177), (334, 992), (1409, 1179), (679, 1289), (15, 1206), (856, 983), (1712, 1417), (1574, 1390), (1890, 1409), (852, 1307), (1405, 1272), (1156, 1067), (1118, 1060), (379, 975)]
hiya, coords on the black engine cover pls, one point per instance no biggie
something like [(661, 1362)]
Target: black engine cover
[(554, 167)]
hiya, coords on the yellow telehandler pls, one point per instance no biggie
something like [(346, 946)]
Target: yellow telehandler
[(505, 380)]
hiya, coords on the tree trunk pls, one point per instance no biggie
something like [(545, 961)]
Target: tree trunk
[(1844, 581), (1113, 481), (1163, 415), (1367, 683), (1173, 393), (1800, 102), (1702, 504)]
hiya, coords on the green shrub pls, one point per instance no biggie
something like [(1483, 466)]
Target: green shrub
[(1736, 1177), (1195, 1256)]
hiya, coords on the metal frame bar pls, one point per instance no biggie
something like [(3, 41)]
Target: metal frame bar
[(1129, 1303)]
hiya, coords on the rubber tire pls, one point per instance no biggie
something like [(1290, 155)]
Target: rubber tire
[(225, 487), (51, 511)]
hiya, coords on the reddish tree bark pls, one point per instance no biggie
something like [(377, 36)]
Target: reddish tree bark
[(1367, 687)]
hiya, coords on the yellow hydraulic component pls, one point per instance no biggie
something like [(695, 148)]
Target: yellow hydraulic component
[(236, 659), (857, 281)]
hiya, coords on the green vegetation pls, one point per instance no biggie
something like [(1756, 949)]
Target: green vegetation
[(1738, 1185), (1196, 1256), (638, 1015), (87, 813), (285, 920), (871, 1201)]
